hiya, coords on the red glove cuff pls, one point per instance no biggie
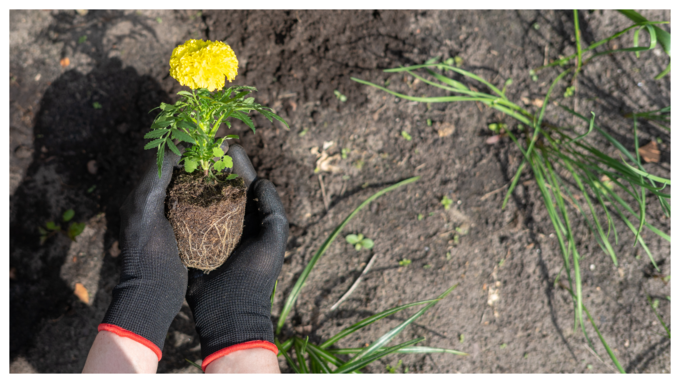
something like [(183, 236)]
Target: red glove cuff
[(137, 338), (238, 347)]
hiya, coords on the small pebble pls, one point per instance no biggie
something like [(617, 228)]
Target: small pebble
[(92, 167)]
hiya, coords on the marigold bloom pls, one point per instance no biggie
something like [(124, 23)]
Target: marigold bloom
[(203, 64)]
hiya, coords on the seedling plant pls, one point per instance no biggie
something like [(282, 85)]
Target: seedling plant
[(359, 242), (197, 116), (51, 228)]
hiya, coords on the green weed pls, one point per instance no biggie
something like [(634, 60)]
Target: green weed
[(359, 242)]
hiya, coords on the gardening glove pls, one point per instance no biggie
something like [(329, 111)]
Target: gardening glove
[(231, 305), (153, 280)]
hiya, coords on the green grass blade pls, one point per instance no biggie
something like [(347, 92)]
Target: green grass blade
[(579, 54), (383, 340), (194, 364), (662, 75), (649, 299), (590, 129), (642, 191), (448, 67), (300, 353), (664, 181), (547, 99), (405, 350), (515, 179), (285, 346), (354, 365), (284, 351), (612, 356), (370, 320), (297, 288), (322, 367), (326, 355)]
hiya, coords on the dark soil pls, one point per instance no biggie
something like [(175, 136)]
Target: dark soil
[(507, 311), (206, 216)]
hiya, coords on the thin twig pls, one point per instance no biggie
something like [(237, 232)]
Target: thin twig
[(323, 193), (489, 194), (356, 283)]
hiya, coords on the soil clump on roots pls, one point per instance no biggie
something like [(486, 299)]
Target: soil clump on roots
[(207, 217)]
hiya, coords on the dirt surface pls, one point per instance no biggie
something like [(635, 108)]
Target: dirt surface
[(506, 312)]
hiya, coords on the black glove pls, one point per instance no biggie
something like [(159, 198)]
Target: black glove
[(231, 305), (153, 280)]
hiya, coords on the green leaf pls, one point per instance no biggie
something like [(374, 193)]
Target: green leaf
[(75, 229), (154, 144), (352, 239), (406, 135), (219, 166), (231, 137), (52, 226), (446, 202), (232, 176), (370, 320), (340, 96), (174, 148), (188, 125), (367, 244), (180, 135), (373, 348), (185, 93), (68, 215), (161, 123), (159, 158), (155, 133), (228, 162), (190, 165), (218, 152), (297, 288), (96, 105), (355, 365), (245, 119)]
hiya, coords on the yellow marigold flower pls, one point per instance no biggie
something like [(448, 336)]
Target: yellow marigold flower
[(203, 64)]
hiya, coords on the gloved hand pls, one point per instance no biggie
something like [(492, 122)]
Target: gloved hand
[(153, 280), (231, 305)]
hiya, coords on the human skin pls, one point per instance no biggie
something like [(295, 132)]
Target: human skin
[(111, 353)]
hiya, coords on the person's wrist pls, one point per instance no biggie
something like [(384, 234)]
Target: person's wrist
[(257, 360), (237, 348)]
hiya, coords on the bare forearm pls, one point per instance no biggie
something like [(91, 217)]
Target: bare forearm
[(111, 353), (254, 360)]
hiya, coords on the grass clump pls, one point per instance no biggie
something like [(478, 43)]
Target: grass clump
[(304, 356)]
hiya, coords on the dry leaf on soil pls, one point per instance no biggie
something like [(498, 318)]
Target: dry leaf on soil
[(444, 128), (114, 250), (65, 62), (650, 152), (82, 294)]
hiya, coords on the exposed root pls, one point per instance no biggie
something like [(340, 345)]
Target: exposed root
[(207, 220)]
